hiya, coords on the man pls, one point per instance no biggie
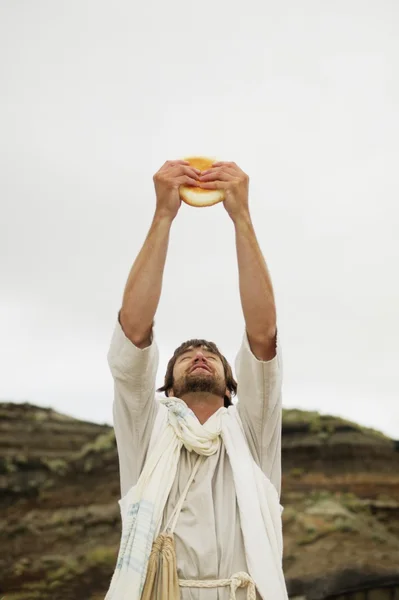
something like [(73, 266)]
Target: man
[(208, 535)]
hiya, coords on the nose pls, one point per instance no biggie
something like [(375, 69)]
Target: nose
[(200, 356), (200, 359)]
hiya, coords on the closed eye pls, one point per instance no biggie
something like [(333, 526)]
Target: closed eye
[(207, 357)]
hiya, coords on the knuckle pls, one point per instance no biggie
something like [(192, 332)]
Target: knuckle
[(190, 172)]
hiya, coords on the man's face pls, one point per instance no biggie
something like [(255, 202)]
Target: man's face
[(198, 370)]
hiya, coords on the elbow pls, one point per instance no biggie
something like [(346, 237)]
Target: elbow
[(138, 333)]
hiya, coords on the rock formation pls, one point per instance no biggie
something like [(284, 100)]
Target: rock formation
[(60, 520)]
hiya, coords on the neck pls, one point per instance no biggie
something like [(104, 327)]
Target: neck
[(203, 405)]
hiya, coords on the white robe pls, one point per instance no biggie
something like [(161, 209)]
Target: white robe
[(209, 542)]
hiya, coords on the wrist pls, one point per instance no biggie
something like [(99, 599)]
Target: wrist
[(163, 217), (242, 219)]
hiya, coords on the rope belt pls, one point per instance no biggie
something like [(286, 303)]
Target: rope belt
[(236, 581)]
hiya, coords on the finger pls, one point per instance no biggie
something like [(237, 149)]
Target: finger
[(212, 185), (173, 163), (190, 171), (186, 180), (218, 174), (221, 163), (225, 168)]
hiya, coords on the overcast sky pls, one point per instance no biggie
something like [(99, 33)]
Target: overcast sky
[(303, 96)]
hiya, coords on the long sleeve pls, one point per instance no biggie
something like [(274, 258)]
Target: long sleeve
[(259, 395), (134, 372)]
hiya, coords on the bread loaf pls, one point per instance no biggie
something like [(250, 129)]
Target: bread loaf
[(196, 196)]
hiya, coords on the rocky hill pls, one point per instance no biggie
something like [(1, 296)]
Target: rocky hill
[(60, 520)]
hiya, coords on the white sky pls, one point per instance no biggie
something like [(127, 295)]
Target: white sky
[(304, 96)]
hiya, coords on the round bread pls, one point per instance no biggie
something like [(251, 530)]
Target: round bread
[(196, 196)]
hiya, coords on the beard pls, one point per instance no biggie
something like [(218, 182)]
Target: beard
[(199, 381)]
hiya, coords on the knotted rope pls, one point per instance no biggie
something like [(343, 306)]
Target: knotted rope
[(236, 581)]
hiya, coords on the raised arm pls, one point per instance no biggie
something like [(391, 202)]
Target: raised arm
[(133, 355), (144, 284), (256, 290), (259, 361)]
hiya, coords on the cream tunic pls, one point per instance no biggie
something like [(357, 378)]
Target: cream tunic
[(209, 543)]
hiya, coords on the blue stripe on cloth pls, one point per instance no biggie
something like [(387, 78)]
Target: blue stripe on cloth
[(138, 540)]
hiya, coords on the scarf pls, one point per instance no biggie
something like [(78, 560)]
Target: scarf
[(143, 505)]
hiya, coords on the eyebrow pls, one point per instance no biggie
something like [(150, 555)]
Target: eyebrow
[(192, 350)]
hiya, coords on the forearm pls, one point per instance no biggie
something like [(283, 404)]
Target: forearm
[(256, 290), (144, 284)]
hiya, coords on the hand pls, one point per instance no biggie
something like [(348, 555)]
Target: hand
[(167, 181), (229, 177)]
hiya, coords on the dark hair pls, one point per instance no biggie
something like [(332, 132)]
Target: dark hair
[(231, 383)]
